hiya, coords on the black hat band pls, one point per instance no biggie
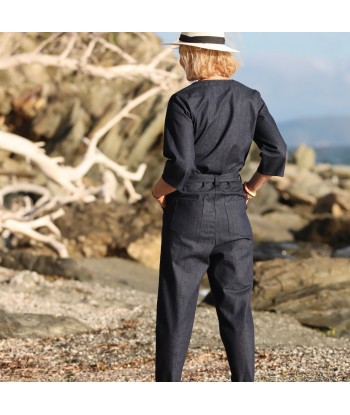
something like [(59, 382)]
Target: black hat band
[(202, 39)]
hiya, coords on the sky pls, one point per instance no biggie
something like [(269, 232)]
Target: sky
[(299, 74)]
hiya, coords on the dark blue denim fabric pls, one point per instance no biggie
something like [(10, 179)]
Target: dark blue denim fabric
[(209, 128), (205, 229)]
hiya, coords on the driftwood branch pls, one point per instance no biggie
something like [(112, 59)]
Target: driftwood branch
[(29, 229), (157, 59), (69, 178), (124, 112), (23, 219), (26, 208), (88, 51), (128, 71), (69, 46), (47, 41), (117, 50)]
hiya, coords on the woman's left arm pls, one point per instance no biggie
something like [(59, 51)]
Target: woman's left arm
[(161, 189), (178, 148)]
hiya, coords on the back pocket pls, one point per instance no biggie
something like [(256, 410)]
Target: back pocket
[(237, 218), (187, 217)]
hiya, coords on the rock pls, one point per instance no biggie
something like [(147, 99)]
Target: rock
[(121, 272), (342, 171), (316, 291), (30, 325), (287, 220), (327, 229), (60, 106), (289, 250), (4, 155), (342, 329), (254, 153), (270, 250), (302, 187), (266, 199), (44, 264), (296, 196), (337, 203), (146, 250), (342, 252), (345, 184), (338, 175), (304, 157), (323, 169), (6, 275), (248, 170), (208, 299), (2, 245), (122, 225), (263, 230)]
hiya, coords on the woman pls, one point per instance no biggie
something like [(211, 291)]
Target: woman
[(209, 128)]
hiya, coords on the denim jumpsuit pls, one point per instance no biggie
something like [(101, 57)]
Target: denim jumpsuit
[(209, 128)]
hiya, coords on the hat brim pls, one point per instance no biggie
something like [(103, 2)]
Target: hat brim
[(212, 46)]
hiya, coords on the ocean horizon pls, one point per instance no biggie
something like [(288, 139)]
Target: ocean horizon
[(331, 154)]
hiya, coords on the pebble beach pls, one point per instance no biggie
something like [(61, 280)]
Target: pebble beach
[(119, 345)]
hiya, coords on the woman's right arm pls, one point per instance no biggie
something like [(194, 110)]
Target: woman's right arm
[(257, 181), (273, 149)]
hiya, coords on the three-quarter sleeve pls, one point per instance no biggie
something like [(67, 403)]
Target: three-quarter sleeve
[(178, 145), (269, 140)]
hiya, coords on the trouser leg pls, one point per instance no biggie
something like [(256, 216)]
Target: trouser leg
[(179, 280), (231, 279)]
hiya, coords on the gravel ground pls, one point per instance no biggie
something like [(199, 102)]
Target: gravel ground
[(120, 345)]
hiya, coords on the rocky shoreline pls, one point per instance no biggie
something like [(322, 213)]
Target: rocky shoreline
[(78, 271), (91, 317), (118, 341)]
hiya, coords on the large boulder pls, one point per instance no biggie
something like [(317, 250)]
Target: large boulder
[(60, 106), (30, 325), (345, 184), (303, 187), (304, 157), (327, 229), (146, 250), (341, 170), (266, 230), (286, 220), (44, 264), (314, 290), (266, 199), (337, 202)]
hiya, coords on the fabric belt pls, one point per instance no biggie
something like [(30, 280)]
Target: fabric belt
[(215, 178)]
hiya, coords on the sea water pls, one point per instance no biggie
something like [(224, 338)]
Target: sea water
[(331, 155)]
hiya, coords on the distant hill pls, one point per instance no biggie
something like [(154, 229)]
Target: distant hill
[(317, 132)]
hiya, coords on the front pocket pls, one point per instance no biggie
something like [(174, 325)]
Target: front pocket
[(187, 217), (237, 218)]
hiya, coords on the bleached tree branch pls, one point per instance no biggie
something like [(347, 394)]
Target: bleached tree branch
[(124, 112), (69, 46), (25, 216), (89, 50), (130, 71), (47, 41), (116, 49), (70, 178), (158, 58), (23, 187), (28, 229)]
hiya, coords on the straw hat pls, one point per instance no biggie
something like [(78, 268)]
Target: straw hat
[(206, 40)]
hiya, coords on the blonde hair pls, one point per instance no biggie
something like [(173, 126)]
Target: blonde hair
[(200, 63)]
